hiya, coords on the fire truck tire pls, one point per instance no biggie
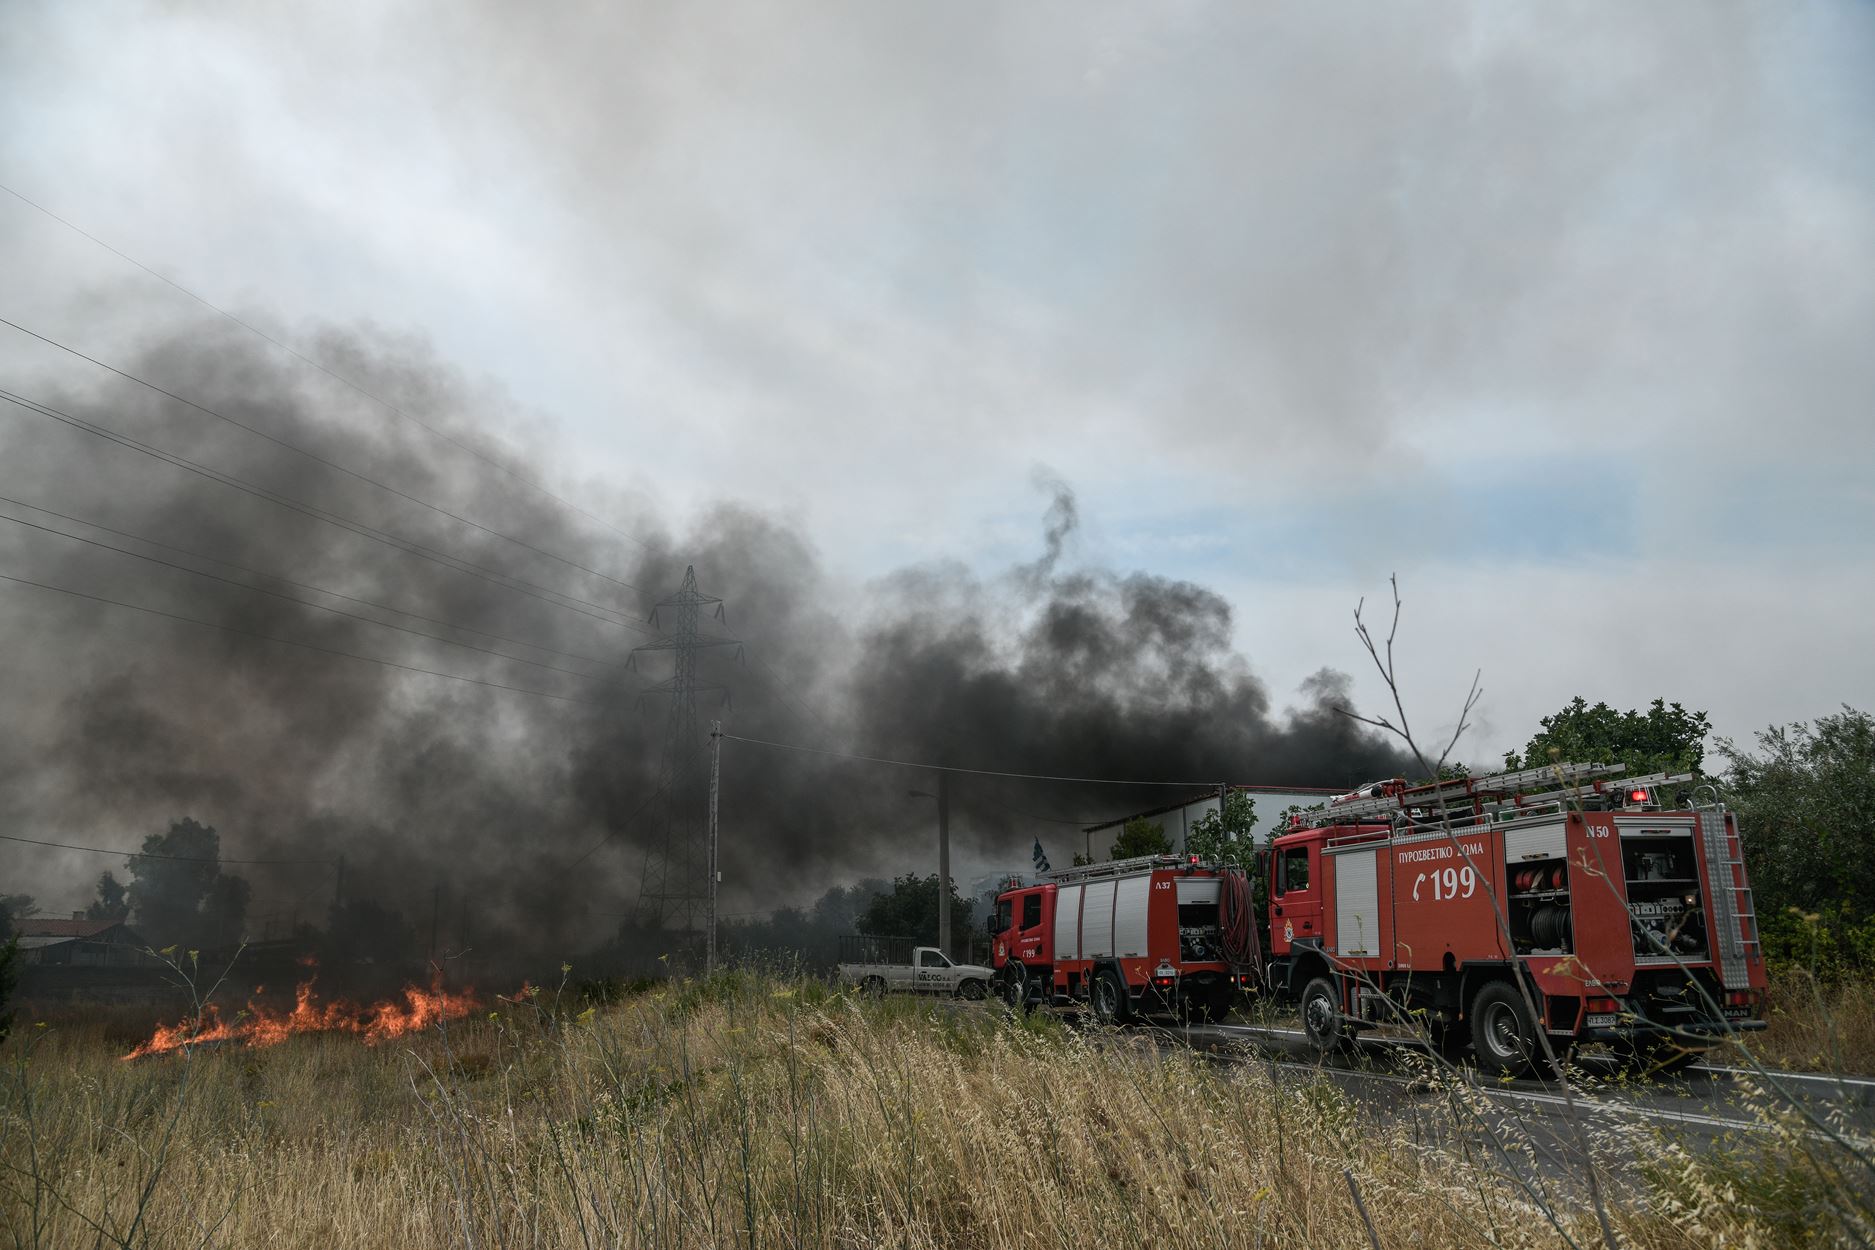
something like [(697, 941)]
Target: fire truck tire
[(1208, 1009), (1111, 1004), (1014, 987), (1502, 1034), (1321, 1016)]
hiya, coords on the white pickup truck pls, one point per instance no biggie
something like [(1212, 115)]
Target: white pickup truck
[(880, 965)]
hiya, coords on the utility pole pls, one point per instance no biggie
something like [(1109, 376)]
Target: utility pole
[(944, 863), (716, 771), (673, 890)]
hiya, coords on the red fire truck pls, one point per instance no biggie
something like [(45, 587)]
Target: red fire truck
[(1159, 934), (1563, 899)]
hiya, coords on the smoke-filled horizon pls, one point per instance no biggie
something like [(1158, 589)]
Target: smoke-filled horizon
[(122, 721)]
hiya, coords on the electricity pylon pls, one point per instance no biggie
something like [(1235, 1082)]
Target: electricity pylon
[(674, 891)]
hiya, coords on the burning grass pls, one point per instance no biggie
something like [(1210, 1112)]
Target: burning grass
[(259, 1024), (753, 1112)]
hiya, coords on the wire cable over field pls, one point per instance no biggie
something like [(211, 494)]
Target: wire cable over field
[(991, 772)]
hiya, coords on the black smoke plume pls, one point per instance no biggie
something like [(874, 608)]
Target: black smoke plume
[(474, 810)]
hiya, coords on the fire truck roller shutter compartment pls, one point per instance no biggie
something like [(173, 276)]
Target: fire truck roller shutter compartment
[(1097, 921), (1068, 922), (1131, 896), (1537, 842), (1197, 890), (1357, 903)]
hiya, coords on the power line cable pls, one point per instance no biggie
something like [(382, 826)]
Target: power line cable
[(189, 859), (989, 772), (292, 642), (262, 590), (516, 474), (254, 572), (507, 581), (317, 458)]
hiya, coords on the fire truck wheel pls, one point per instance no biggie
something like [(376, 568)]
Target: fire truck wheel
[(1111, 1005), (1015, 987), (1502, 1033), (1321, 1016)]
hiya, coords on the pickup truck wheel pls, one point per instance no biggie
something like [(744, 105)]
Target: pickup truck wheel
[(972, 989), (1321, 1016), (1502, 1034), (1111, 1004), (873, 987)]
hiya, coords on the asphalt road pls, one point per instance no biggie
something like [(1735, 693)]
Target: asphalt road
[(1707, 1106)]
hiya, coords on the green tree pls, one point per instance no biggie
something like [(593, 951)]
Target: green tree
[(111, 903), (1281, 826), (1665, 739), (1140, 836), (15, 907), (11, 905), (1805, 800), (9, 977), (1226, 835), (910, 909), (178, 892)]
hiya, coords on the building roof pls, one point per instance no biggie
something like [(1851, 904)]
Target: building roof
[(42, 926)]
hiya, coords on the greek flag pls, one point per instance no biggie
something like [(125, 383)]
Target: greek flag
[(1041, 860)]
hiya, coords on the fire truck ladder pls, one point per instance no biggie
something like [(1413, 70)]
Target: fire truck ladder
[(1114, 868), (1496, 790), (1730, 909)]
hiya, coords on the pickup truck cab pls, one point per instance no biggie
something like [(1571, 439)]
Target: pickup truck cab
[(894, 966)]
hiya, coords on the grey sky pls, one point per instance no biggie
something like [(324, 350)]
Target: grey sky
[(1563, 312)]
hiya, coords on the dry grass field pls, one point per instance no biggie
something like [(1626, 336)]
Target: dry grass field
[(1815, 1028), (756, 1112)]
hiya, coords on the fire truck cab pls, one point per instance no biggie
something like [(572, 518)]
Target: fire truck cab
[(1488, 910), (1127, 938)]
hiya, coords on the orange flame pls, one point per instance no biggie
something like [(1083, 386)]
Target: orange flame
[(268, 1026)]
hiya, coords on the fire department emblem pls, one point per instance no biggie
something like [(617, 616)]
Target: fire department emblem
[(1289, 931)]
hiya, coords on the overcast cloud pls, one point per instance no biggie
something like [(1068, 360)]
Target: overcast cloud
[(1562, 312)]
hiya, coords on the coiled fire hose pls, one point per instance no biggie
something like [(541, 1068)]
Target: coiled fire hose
[(1237, 925)]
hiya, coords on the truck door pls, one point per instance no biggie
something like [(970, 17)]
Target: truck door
[(1031, 941), (1296, 898), (933, 971)]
